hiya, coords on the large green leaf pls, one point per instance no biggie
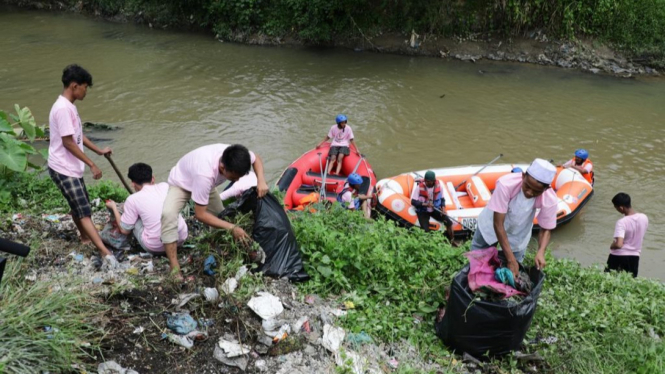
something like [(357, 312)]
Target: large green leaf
[(5, 126), (11, 154), (27, 122)]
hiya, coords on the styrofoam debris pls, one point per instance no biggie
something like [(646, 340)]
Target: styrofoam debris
[(211, 294), (266, 305), (233, 349), (229, 286), (332, 338)]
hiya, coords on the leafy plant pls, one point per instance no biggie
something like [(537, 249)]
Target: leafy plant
[(14, 130)]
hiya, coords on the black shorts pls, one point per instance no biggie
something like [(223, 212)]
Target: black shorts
[(423, 219), (74, 191), (623, 263), (334, 151)]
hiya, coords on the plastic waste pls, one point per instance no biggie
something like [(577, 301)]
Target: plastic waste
[(232, 348), (239, 362), (266, 305), (298, 326), (112, 367), (111, 234), (148, 267), (181, 323), (209, 265), (179, 340), (229, 286), (272, 231), (332, 337), (211, 294), (275, 327), (241, 272), (184, 299), (138, 330), (359, 338), (505, 276)]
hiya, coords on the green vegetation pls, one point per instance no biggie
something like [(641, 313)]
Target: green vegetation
[(604, 323), (636, 26), (15, 129)]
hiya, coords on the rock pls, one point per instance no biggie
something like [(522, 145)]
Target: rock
[(313, 337), (594, 70), (544, 59)]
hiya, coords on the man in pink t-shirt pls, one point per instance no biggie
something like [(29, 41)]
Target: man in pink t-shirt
[(142, 211), (66, 160), (507, 219), (628, 237), (342, 137), (196, 177)]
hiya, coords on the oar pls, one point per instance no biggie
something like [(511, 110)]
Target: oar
[(108, 157), (322, 191), (481, 169), (358, 164)]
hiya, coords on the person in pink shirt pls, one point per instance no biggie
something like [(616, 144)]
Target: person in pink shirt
[(342, 137), (143, 210), (507, 219), (196, 177), (66, 159), (628, 237)]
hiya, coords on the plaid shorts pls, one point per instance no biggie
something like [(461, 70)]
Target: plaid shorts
[(74, 191)]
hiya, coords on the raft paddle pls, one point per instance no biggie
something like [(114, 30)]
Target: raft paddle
[(358, 164), (124, 182), (481, 169), (322, 191)]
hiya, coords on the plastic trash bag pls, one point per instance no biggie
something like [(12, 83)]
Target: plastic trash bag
[(111, 234), (478, 327), (272, 231)]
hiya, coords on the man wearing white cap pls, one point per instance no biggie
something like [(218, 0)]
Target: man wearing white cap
[(507, 219)]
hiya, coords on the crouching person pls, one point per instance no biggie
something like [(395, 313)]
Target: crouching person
[(143, 210), (351, 198)]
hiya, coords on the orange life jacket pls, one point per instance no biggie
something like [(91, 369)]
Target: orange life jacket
[(588, 176), (436, 195)]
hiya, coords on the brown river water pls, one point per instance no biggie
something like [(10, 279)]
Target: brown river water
[(172, 92)]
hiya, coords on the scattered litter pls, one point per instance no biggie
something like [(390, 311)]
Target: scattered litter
[(529, 357), (286, 345), (274, 327), (239, 362), (179, 340), (338, 312), (230, 285), (298, 326), (209, 264), (184, 299), (112, 367), (97, 280), (181, 323), (145, 255), (311, 299), (31, 278), (197, 335), (349, 305), (148, 267), (233, 349), (266, 305), (53, 218), (353, 361), (206, 322), (358, 339), (261, 365), (241, 272), (332, 337), (132, 271), (211, 294), (393, 363), (138, 330)]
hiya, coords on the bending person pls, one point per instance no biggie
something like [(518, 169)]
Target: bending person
[(351, 198)]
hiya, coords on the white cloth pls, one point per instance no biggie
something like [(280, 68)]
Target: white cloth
[(542, 171), (518, 223)]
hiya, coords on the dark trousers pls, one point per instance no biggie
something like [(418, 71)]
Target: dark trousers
[(623, 263), (423, 219)]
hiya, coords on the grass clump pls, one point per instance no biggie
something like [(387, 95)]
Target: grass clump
[(44, 328)]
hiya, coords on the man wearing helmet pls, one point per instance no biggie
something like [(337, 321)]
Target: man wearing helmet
[(342, 136), (582, 164), (428, 200), (360, 201)]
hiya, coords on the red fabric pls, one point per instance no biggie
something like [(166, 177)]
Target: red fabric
[(481, 274)]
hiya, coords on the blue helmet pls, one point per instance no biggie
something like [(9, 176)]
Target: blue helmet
[(517, 170), (355, 178), (582, 153), (340, 118)]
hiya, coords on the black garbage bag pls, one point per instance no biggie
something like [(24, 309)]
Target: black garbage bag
[(272, 230), (479, 327)]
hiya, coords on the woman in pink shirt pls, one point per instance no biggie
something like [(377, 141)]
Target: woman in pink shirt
[(342, 137), (628, 236)]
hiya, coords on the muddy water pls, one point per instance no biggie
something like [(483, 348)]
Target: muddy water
[(171, 92)]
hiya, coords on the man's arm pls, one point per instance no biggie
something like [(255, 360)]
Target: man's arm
[(261, 185), (323, 141), (69, 143), (502, 237), (617, 243), (356, 145), (544, 236), (91, 146), (116, 214), (202, 214)]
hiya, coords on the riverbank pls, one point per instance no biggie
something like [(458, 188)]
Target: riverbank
[(534, 46), (380, 284)]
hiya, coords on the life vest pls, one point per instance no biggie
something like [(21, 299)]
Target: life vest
[(436, 195), (590, 175), (345, 189)]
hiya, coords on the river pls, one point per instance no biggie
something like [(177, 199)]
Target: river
[(172, 92)]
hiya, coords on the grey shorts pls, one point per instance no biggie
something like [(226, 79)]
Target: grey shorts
[(334, 151), (478, 242)]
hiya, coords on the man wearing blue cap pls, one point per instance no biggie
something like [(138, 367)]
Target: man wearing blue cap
[(507, 220), (342, 138), (582, 164)]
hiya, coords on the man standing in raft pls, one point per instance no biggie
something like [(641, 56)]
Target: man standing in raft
[(429, 202), (195, 176), (507, 219), (342, 136), (582, 164)]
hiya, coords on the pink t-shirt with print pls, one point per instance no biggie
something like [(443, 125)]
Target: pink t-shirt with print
[(340, 137), (146, 205), (198, 171), (632, 229), (64, 120), (508, 186)]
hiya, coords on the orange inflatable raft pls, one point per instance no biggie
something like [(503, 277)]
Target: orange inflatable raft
[(302, 180), (465, 203)]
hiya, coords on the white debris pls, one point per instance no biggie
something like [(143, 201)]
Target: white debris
[(184, 299), (332, 338), (266, 305), (211, 294), (357, 363), (338, 312), (180, 340), (301, 321), (241, 272), (272, 327), (112, 367), (233, 349), (239, 362), (229, 286), (138, 330), (261, 365)]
